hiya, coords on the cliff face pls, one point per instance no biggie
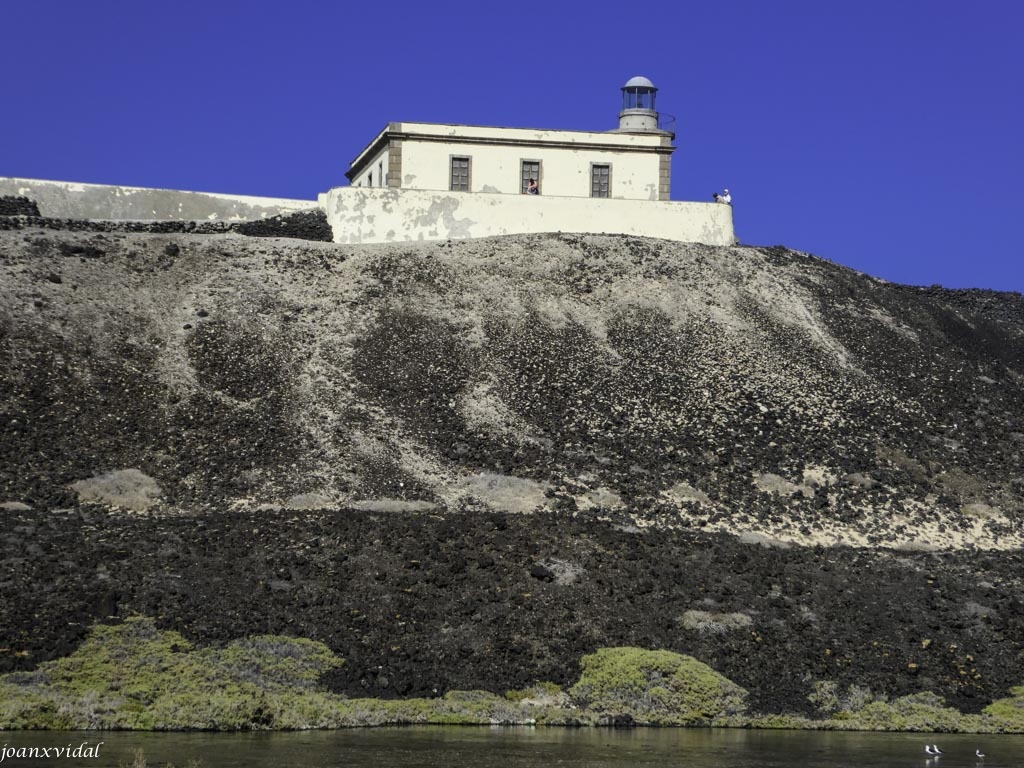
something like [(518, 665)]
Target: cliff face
[(465, 464)]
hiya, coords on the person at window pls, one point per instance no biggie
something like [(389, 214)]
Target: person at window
[(533, 189)]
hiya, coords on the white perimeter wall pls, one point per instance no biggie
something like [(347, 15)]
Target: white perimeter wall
[(69, 200), (363, 215)]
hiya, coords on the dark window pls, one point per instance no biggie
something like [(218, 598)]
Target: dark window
[(460, 174), (530, 172), (380, 173), (600, 180)]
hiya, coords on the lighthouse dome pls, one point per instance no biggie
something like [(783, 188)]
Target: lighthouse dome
[(639, 82)]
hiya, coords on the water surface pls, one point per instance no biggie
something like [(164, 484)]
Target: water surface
[(482, 747)]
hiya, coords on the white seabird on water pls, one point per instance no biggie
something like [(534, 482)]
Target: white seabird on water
[(978, 753), (929, 751), (937, 750)]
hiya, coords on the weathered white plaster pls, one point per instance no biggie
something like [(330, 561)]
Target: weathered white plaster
[(375, 173), (363, 215), (564, 172), (496, 156), (72, 200)]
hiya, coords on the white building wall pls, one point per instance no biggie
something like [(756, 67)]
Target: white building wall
[(378, 163), (497, 169), (362, 215)]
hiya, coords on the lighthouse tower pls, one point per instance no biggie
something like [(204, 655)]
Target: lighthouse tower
[(638, 114)]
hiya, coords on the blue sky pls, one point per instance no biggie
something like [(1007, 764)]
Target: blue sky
[(886, 136)]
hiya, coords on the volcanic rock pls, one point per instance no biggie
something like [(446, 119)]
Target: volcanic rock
[(466, 465)]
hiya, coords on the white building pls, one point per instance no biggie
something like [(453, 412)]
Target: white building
[(427, 181), (631, 163), (424, 181)]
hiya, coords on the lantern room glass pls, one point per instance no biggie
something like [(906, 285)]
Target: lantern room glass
[(638, 97)]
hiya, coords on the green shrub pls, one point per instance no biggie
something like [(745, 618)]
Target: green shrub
[(132, 675), (831, 702), (547, 693), (270, 661), (1009, 711), (655, 686), (924, 711)]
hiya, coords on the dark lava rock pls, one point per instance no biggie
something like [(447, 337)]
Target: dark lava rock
[(304, 225), (17, 206), (874, 619), (465, 465), (542, 572)]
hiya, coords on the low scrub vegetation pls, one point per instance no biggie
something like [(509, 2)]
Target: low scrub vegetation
[(135, 676), (659, 687), (861, 710)]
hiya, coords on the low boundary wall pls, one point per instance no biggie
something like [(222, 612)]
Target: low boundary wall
[(70, 200), (382, 215)]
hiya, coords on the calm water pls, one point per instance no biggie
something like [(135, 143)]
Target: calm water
[(439, 747)]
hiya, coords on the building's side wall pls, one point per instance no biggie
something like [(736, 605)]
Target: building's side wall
[(361, 215), (375, 173), (68, 200), (636, 175)]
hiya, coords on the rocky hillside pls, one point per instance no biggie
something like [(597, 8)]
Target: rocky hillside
[(466, 464)]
